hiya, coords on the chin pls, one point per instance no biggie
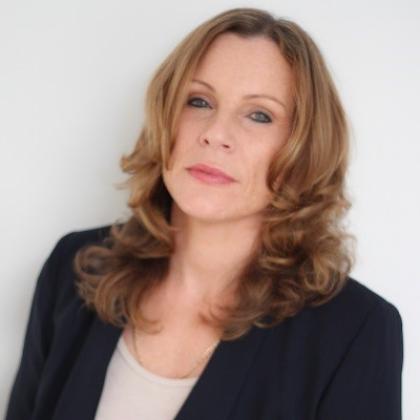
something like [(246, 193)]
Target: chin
[(205, 212)]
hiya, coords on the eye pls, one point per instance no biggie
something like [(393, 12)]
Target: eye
[(197, 102), (265, 118)]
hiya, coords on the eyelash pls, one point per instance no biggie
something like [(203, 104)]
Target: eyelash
[(267, 121)]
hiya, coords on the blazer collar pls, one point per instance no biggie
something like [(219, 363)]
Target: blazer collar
[(212, 396)]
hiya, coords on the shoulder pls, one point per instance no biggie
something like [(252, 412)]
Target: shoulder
[(377, 321), (56, 282), (355, 304), (70, 242), (61, 257), (356, 316), (348, 309)]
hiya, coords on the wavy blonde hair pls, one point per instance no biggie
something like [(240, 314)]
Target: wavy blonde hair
[(304, 253)]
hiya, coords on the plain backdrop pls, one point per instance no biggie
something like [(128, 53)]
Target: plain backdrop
[(72, 82)]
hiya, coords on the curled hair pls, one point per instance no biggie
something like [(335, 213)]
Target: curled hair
[(304, 252)]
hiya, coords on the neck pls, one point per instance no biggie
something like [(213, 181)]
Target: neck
[(208, 254)]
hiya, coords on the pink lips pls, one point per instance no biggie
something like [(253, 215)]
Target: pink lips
[(209, 174)]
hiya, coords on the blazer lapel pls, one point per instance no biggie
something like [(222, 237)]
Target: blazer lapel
[(213, 395), (81, 394)]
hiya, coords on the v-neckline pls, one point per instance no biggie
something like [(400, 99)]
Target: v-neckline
[(212, 396)]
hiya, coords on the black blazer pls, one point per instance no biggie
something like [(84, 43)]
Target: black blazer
[(340, 361)]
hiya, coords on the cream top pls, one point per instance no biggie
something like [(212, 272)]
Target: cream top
[(132, 392)]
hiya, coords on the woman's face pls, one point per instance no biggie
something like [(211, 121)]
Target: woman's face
[(225, 124)]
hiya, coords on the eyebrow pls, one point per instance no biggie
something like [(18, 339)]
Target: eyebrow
[(249, 96)]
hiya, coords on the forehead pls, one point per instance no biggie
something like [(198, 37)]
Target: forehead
[(233, 63)]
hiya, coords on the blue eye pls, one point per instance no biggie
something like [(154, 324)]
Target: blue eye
[(195, 100), (198, 102), (266, 119)]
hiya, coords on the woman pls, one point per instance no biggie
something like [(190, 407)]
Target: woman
[(226, 294)]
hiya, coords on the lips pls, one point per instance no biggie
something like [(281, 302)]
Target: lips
[(210, 174), (211, 171)]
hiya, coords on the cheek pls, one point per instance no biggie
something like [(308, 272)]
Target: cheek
[(257, 169), (183, 146)]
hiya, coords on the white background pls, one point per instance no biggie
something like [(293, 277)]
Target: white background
[(72, 82)]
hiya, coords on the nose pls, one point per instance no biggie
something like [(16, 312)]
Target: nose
[(217, 134)]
